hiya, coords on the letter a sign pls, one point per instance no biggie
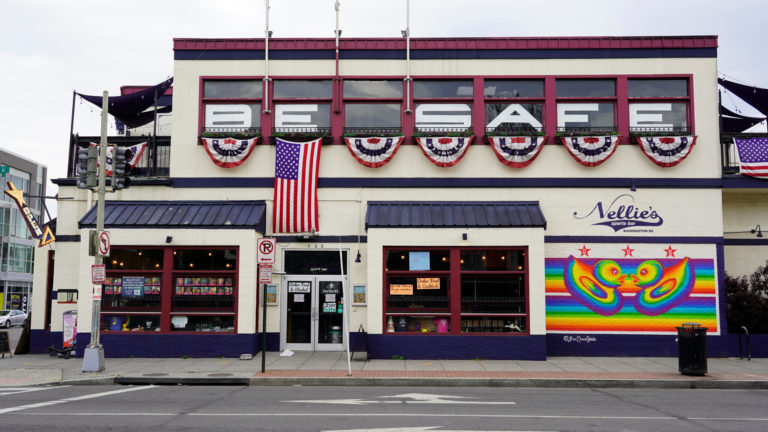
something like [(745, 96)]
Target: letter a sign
[(265, 251)]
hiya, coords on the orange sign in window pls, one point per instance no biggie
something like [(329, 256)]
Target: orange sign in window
[(427, 283), (401, 289)]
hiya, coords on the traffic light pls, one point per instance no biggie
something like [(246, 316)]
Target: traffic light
[(87, 170), (120, 168)]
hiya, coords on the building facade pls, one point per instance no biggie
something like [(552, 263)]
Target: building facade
[(488, 198), (18, 245)]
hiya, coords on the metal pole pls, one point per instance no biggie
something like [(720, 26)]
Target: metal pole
[(93, 359), (153, 153), (263, 323), (345, 312), (265, 109), (408, 56), (72, 148)]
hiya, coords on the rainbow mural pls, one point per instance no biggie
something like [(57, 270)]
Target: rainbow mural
[(629, 295)]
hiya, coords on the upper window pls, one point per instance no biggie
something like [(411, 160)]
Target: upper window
[(514, 88), (242, 89), (373, 89), (587, 88), (658, 105), (442, 89), (654, 88), (358, 115), (231, 106), (302, 89)]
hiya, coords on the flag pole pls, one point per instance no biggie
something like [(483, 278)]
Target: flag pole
[(407, 34), (345, 312), (266, 58)]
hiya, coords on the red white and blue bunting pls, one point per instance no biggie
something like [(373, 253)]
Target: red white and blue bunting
[(667, 151), (229, 152), (591, 151), (444, 151), (517, 151), (373, 152)]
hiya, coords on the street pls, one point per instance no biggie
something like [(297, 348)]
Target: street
[(378, 409)]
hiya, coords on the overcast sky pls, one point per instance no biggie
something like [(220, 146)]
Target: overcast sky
[(49, 48)]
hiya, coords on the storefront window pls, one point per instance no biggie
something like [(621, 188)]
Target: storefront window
[(467, 290), (201, 295)]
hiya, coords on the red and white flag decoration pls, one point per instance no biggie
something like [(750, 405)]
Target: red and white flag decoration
[(373, 152), (229, 152), (444, 151), (295, 199), (133, 155), (517, 151), (591, 151), (667, 151)]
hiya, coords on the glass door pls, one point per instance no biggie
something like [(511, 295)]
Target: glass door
[(298, 314), (313, 317)]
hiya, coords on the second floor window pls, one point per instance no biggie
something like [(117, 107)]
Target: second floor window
[(658, 105), (302, 105), (586, 105), (232, 106)]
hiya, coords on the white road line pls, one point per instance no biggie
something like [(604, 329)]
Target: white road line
[(72, 399), (18, 390)]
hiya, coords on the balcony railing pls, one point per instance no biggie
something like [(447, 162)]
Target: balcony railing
[(154, 162)]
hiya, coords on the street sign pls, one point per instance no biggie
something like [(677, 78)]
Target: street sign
[(103, 244), (265, 251), (4, 169), (98, 274), (265, 273), (97, 291)]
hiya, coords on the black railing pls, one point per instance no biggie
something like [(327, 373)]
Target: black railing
[(588, 131), (234, 132), (372, 131), (506, 130), (665, 131), (154, 162), (442, 131)]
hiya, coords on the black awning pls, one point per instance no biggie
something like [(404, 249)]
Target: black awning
[(180, 214), (130, 108), (469, 214)]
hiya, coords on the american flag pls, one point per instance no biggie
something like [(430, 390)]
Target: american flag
[(295, 204), (753, 156)]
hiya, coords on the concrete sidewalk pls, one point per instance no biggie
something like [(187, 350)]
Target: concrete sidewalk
[(330, 368)]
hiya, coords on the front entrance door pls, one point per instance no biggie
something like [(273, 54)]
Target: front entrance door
[(313, 316)]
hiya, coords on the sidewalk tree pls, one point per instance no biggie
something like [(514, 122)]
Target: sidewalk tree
[(746, 300)]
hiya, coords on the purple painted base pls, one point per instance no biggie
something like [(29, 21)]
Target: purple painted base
[(457, 347), (411, 346), (602, 345)]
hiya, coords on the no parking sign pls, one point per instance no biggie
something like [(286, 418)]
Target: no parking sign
[(265, 250)]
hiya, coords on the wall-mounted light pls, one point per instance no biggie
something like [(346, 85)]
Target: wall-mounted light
[(404, 33), (757, 230), (358, 258), (463, 236), (633, 187), (168, 239)]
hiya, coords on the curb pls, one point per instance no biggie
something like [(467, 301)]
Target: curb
[(426, 382)]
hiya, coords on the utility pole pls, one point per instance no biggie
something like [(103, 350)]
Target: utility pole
[(93, 359)]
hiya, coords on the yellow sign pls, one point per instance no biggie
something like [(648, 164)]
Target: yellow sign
[(427, 283), (45, 236), (400, 289)]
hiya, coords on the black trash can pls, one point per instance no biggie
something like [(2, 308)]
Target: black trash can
[(692, 349)]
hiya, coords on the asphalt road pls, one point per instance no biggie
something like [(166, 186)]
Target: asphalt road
[(186, 408)]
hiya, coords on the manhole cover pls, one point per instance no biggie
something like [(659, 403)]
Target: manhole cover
[(156, 374), (219, 374)]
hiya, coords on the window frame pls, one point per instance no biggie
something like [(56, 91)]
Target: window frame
[(203, 102), (687, 100), (470, 100), (512, 100), (344, 100), (613, 100), (323, 131), (454, 275)]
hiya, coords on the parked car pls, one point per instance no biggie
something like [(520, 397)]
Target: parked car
[(14, 317)]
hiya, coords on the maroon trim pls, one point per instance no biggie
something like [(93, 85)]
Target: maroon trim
[(539, 43)]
